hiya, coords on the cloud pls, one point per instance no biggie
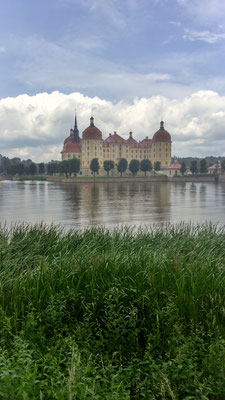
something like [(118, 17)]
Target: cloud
[(36, 126), (175, 23), (204, 36), (207, 12)]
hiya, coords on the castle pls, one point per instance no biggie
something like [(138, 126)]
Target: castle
[(114, 147)]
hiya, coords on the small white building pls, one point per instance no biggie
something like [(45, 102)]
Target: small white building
[(173, 169)]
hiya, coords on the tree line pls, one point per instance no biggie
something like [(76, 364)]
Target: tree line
[(15, 166), (200, 167)]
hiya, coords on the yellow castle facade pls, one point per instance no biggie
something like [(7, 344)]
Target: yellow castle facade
[(114, 147)]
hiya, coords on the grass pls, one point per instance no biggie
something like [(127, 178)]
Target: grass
[(94, 314), (32, 178)]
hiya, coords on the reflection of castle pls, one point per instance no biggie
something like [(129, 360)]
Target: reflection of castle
[(114, 147)]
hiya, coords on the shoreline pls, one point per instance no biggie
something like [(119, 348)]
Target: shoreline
[(111, 179)]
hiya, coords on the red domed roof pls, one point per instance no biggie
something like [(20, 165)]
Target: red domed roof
[(71, 147), (92, 133), (161, 135)]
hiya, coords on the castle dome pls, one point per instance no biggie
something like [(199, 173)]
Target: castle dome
[(161, 135), (70, 146), (92, 132)]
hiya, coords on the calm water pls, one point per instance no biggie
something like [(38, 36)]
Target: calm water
[(111, 204)]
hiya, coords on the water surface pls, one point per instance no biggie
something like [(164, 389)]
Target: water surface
[(111, 204)]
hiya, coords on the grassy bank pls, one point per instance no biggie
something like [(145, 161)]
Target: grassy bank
[(95, 314)]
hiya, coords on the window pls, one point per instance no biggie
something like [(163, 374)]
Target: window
[(95, 153), (88, 154), (95, 148), (103, 150), (88, 147)]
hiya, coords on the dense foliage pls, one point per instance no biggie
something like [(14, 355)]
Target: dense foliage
[(157, 166), (95, 314), (108, 165), (183, 168), (145, 165), (94, 165), (134, 166), (203, 166), (122, 165)]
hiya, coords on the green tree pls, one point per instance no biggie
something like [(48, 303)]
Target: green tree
[(134, 166), (41, 168), (183, 168), (223, 165), (20, 168), (203, 166), (33, 168), (194, 167), (74, 165), (108, 165), (157, 166), (145, 165), (122, 165), (65, 167), (94, 166), (11, 169)]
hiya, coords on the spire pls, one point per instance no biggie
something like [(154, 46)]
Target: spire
[(161, 125), (130, 133), (92, 121), (75, 122), (76, 136)]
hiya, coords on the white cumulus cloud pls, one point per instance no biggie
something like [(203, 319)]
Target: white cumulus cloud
[(204, 36), (36, 126)]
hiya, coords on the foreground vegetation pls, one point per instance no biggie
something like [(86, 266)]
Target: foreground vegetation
[(95, 314)]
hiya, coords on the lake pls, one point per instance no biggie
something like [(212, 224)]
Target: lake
[(111, 204)]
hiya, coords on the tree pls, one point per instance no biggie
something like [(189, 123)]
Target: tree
[(193, 167), (94, 166), (223, 165), (203, 166), (145, 165), (20, 169), (33, 168), (11, 169), (134, 166), (122, 165), (157, 166), (183, 168), (41, 168), (74, 165), (108, 165), (64, 167)]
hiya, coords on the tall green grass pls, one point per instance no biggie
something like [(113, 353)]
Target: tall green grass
[(117, 314)]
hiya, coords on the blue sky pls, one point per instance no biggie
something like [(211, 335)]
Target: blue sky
[(154, 57)]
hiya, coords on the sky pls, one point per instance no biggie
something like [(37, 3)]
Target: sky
[(129, 63)]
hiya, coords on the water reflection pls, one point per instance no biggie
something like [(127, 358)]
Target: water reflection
[(112, 204)]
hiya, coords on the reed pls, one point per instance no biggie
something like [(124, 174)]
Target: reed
[(117, 314)]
